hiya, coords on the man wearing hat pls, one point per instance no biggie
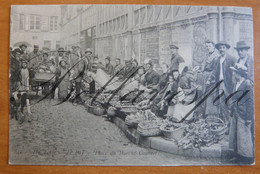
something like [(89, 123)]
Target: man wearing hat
[(207, 69), (91, 66), (61, 56), (151, 77), (23, 47), (245, 61), (241, 135), (222, 72), (34, 57), (176, 59)]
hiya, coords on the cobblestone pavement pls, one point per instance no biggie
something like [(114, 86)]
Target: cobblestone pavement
[(67, 134)]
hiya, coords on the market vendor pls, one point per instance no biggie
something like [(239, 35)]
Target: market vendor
[(151, 78), (241, 134), (109, 69), (169, 97)]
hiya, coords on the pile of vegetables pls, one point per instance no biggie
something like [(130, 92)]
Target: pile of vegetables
[(201, 133)]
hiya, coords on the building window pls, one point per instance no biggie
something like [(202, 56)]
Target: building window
[(54, 23), (57, 44), (21, 22), (35, 22)]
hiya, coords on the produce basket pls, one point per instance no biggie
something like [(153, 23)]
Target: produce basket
[(90, 108), (216, 126), (172, 131), (128, 109), (149, 128), (111, 111), (134, 119), (99, 111)]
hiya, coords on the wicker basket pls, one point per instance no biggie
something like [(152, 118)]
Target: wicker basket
[(128, 109), (111, 111), (175, 134), (148, 131), (133, 119), (220, 132), (91, 109), (99, 111)]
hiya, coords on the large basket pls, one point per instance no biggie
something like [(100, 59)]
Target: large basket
[(217, 122), (175, 134), (148, 131), (128, 109), (111, 111), (99, 111), (133, 121)]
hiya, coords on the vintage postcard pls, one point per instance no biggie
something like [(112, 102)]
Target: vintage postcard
[(131, 85)]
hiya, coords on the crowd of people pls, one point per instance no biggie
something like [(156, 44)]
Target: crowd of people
[(168, 92)]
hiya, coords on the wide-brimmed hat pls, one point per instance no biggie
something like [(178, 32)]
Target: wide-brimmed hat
[(17, 50), (45, 54), (24, 61), (108, 58), (36, 46), (240, 71), (222, 43), (75, 47), (88, 50), (241, 45), (23, 45), (172, 46), (61, 50)]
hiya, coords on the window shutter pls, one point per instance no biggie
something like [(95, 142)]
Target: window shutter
[(27, 23), (15, 22), (45, 23)]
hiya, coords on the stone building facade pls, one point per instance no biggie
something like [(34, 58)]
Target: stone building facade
[(145, 31), (38, 26)]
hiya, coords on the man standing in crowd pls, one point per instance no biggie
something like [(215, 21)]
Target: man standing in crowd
[(109, 69), (241, 135), (207, 69), (78, 70), (35, 57), (24, 55), (15, 70), (60, 56), (223, 72), (245, 61), (92, 66), (176, 59)]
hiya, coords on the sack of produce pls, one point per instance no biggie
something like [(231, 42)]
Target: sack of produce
[(134, 118)]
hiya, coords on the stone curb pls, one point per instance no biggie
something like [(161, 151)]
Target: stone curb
[(160, 144)]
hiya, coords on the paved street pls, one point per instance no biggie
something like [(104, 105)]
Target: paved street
[(67, 134)]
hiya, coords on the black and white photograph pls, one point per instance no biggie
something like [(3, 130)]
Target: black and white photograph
[(131, 85)]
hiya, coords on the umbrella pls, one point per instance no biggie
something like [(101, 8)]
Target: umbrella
[(20, 43)]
